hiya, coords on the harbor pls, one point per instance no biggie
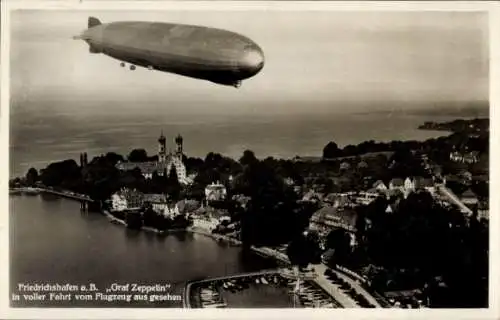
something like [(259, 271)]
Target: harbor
[(276, 288)]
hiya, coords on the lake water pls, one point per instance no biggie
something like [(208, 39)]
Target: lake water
[(42, 132), (51, 241)]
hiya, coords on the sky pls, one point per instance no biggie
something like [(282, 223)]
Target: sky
[(316, 56)]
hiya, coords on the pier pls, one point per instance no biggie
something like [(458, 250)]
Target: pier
[(83, 199)]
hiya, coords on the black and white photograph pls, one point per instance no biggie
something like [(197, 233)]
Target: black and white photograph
[(254, 157)]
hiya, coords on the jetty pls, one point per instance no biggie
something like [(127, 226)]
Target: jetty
[(61, 193)]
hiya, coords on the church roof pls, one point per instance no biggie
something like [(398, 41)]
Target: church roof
[(146, 167)]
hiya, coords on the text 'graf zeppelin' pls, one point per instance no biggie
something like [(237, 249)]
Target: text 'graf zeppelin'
[(127, 292)]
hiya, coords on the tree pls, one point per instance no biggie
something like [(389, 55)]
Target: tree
[(113, 158), (138, 155), (271, 217), (133, 220), (340, 241), (31, 176), (302, 250), (173, 185), (65, 173), (149, 217), (248, 158), (331, 150)]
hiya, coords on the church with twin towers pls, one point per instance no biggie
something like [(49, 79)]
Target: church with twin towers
[(166, 161)]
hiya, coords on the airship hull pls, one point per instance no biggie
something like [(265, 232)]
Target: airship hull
[(199, 52)]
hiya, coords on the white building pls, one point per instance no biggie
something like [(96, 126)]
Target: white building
[(469, 157), (127, 199), (215, 191), (409, 184), (157, 201), (118, 202), (171, 211), (206, 223)]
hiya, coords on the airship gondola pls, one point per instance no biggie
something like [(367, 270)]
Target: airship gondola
[(212, 54)]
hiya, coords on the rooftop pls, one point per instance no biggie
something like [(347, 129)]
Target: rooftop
[(329, 215)]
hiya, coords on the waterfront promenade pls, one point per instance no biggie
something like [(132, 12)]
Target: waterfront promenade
[(65, 194), (321, 268)]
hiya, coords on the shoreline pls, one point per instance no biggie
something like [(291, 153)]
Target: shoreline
[(265, 251), (115, 220)]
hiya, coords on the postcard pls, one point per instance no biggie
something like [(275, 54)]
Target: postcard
[(256, 159)]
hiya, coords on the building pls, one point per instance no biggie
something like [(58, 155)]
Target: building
[(215, 192), (367, 197), (313, 196), (469, 198), (465, 157), (424, 184), (127, 199), (171, 211), (380, 185), (409, 184), (205, 223), (158, 202), (328, 218), (209, 219), (166, 161), (483, 210)]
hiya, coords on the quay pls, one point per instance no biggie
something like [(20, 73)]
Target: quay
[(84, 199)]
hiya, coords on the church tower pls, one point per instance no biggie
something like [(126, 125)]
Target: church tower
[(178, 143), (162, 148)]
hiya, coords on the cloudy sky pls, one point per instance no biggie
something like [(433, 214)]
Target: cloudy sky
[(320, 56)]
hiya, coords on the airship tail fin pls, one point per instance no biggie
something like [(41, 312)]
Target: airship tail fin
[(93, 22)]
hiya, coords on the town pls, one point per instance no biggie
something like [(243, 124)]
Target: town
[(407, 219)]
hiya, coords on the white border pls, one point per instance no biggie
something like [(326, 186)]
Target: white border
[(493, 7)]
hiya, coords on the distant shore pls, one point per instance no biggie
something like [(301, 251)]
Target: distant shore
[(476, 125)]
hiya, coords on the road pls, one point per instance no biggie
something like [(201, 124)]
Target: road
[(333, 289), (454, 199)]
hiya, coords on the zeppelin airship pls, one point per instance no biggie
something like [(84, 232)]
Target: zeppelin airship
[(216, 55)]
